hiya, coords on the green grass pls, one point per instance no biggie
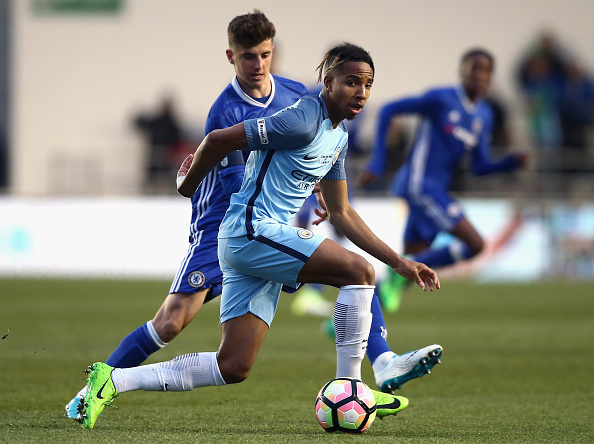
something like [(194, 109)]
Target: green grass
[(518, 366)]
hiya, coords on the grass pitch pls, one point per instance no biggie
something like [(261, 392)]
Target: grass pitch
[(518, 366)]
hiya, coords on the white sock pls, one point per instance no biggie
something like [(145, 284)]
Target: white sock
[(183, 373), (154, 335), (381, 361), (352, 322)]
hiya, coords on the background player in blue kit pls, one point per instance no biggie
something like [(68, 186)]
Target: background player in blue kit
[(259, 250), (455, 121)]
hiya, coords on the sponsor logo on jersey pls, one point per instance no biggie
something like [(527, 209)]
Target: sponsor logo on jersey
[(196, 279), (304, 234), (460, 133), (262, 131), (306, 180)]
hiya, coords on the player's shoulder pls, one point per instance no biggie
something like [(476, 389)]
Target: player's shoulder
[(292, 85), (443, 91), (228, 94)]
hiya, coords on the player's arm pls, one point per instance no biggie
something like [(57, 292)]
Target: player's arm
[(481, 161), (410, 105), (344, 217), (213, 149)]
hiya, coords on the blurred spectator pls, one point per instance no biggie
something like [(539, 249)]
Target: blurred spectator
[(542, 76), (164, 136), (577, 107)]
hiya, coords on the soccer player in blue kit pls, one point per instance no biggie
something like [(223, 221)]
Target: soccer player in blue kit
[(455, 121), (259, 250)]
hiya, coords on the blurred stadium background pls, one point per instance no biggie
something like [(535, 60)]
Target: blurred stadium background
[(76, 79), (77, 74)]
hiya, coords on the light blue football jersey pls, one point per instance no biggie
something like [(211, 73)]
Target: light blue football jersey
[(291, 151), (233, 105)]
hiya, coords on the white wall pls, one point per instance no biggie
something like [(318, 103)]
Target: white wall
[(77, 79)]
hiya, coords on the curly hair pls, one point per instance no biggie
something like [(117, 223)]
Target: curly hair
[(345, 52)]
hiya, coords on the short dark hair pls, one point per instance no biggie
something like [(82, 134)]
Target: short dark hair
[(250, 29), (477, 51), (345, 52)]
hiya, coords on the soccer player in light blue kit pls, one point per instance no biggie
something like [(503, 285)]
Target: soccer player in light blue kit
[(259, 250), (455, 121), (253, 92)]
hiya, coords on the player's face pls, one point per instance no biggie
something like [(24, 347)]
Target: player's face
[(252, 67), (476, 75), (348, 90)]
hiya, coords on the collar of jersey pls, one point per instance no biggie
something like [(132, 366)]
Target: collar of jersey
[(250, 99), (466, 103), (324, 109)]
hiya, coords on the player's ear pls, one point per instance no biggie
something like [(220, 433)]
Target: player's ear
[(328, 83), (229, 55)]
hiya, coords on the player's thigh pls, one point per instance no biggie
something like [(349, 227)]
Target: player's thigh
[(431, 212), (334, 265), (199, 268)]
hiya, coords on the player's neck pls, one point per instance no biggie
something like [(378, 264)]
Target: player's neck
[(264, 89)]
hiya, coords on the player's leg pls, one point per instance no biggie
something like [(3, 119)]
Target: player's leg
[(176, 312), (333, 265), (247, 308), (198, 280)]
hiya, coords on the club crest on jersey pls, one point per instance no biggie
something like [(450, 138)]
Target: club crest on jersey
[(262, 131), (196, 279), (454, 116), (304, 234), (336, 154), (454, 209)]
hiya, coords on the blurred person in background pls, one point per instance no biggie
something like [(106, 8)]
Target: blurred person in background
[(163, 134), (456, 121), (577, 107)]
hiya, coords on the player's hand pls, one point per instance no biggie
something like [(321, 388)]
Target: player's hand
[(184, 168), (522, 159), (367, 178), (419, 273), (321, 212), (322, 216)]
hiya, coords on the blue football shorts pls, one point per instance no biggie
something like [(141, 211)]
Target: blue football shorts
[(200, 268), (430, 213), (255, 268)]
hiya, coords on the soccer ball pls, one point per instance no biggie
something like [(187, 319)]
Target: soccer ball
[(345, 405)]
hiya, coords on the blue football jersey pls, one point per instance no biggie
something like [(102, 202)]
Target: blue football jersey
[(451, 126), (211, 200), (291, 151)]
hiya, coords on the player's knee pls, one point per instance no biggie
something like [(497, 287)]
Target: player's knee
[(169, 328), (234, 371), (476, 247), (361, 271)]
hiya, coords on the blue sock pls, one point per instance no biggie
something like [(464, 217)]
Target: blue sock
[(377, 343), (441, 257), (135, 348)]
